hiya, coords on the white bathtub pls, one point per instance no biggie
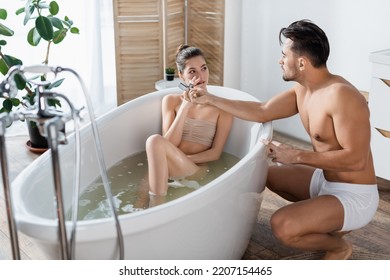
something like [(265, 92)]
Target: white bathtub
[(214, 222)]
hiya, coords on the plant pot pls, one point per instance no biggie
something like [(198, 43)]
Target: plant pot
[(36, 139), (169, 77), (38, 143)]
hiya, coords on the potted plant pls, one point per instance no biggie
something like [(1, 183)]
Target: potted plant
[(169, 73), (48, 28)]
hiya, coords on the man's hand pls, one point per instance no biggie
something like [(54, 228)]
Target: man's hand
[(198, 95), (281, 153)]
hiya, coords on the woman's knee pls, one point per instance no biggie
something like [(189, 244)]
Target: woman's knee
[(154, 142)]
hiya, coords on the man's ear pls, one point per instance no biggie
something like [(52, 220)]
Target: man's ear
[(302, 63)]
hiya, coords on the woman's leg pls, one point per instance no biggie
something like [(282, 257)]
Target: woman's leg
[(164, 160)]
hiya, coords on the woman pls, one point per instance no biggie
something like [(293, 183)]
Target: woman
[(192, 134)]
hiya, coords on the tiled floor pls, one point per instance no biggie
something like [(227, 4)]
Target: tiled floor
[(371, 242)]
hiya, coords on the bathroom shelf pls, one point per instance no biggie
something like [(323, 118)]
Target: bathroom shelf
[(163, 84), (381, 57), (379, 104)]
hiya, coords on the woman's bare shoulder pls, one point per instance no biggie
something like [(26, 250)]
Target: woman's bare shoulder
[(172, 98)]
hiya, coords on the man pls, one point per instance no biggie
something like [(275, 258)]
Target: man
[(334, 186)]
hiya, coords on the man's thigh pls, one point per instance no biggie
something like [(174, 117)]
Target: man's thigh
[(322, 214), (292, 182)]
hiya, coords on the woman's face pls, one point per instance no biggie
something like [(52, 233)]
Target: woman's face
[(196, 72)]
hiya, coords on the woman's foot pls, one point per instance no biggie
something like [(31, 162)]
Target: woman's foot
[(155, 200)]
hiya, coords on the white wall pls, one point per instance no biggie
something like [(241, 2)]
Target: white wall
[(354, 28), (232, 48)]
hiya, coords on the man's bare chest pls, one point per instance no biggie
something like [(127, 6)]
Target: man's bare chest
[(316, 120)]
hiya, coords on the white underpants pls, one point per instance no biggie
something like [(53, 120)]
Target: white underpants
[(360, 202)]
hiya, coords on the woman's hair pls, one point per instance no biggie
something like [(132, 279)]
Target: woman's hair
[(184, 53), (309, 40)]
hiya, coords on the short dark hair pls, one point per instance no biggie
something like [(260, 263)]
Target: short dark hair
[(309, 40), (184, 53)]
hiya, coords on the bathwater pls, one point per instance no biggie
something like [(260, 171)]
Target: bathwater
[(129, 187)]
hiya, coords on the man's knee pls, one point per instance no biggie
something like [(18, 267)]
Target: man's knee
[(283, 228)]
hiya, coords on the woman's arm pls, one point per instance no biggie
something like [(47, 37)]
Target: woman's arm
[(173, 122)]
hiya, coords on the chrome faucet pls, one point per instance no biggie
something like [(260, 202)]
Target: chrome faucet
[(50, 123)]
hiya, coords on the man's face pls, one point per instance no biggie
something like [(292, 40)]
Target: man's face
[(289, 62)]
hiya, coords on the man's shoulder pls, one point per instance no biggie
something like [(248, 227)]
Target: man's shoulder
[(343, 94), (344, 90), (339, 83)]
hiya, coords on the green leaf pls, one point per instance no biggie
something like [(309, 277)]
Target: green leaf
[(59, 35), (29, 10), (44, 27), (33, 37), (3, 42), (20, 81), (3, 67), (7, 105), (67, 22), (57, 23), (15, 102), (11, 61), (53, 102), (74, 30), (56, 83), (3, 14), (4, 30), (19, 11), (30, 98), (54, 8), (42, 5)]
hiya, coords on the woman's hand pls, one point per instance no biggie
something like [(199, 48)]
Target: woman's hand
[(191, 87), (186, 101)]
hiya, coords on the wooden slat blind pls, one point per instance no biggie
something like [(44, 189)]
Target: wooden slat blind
[(137, 7), (175, 29), (138, 43), (206, 30)]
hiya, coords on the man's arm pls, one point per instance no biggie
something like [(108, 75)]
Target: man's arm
[(280, 106)]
